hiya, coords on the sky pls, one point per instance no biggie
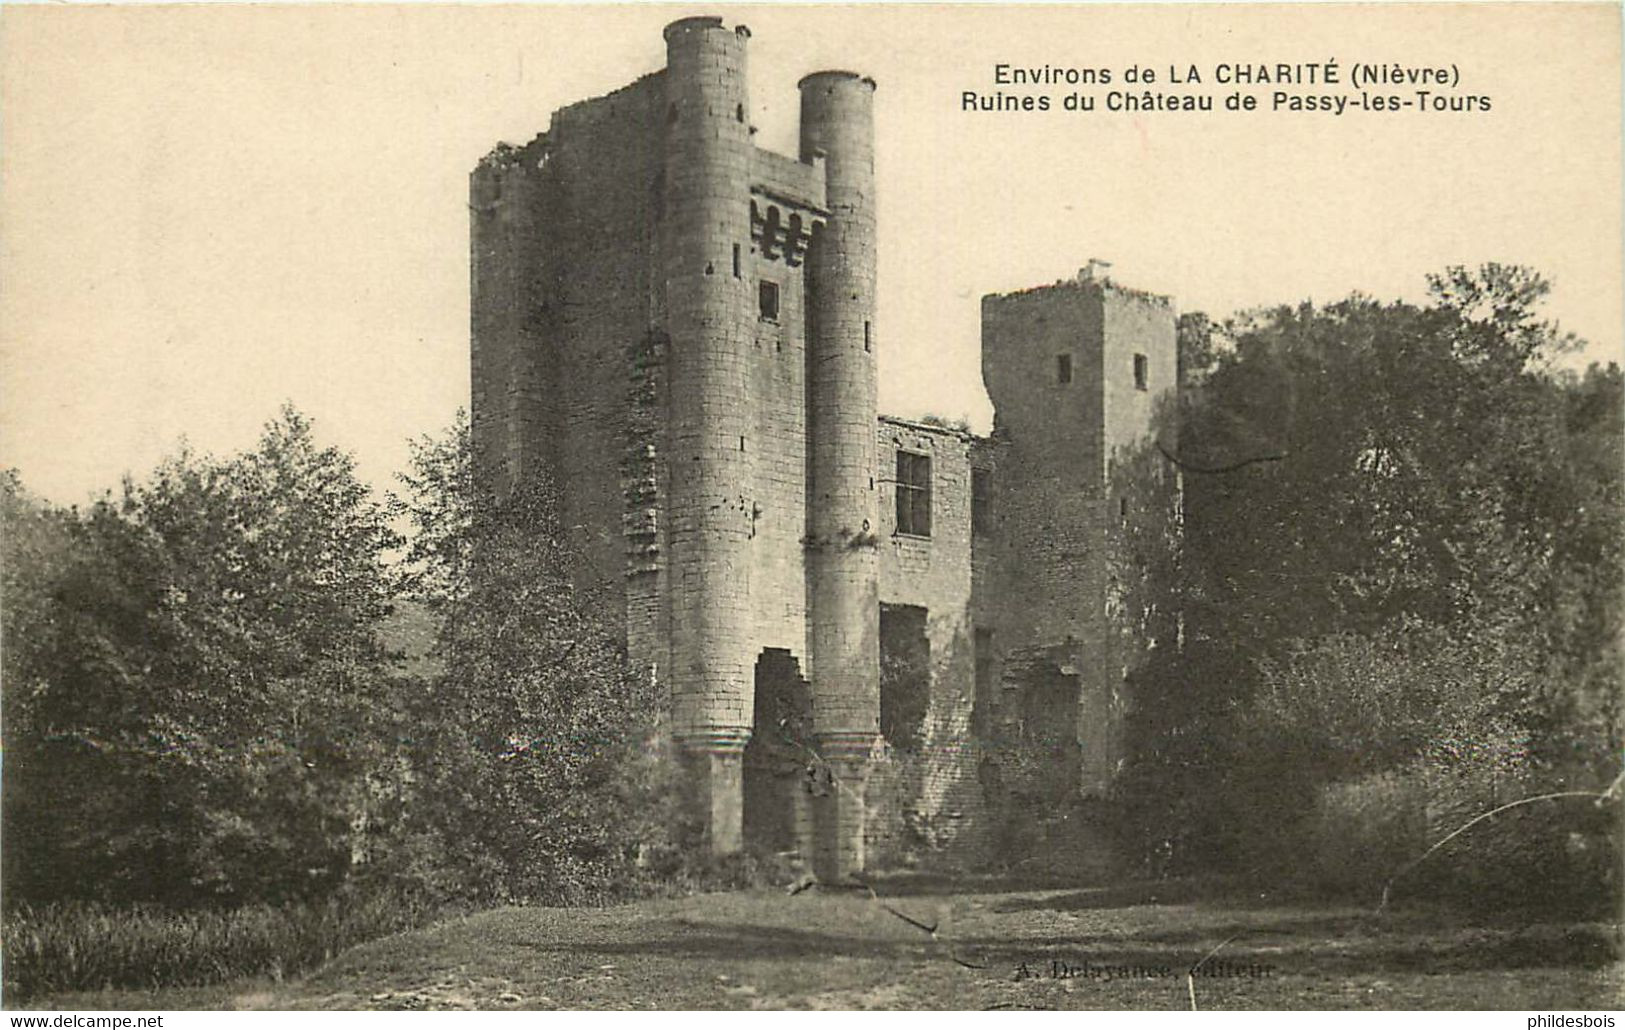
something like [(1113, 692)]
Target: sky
[(207, 211)]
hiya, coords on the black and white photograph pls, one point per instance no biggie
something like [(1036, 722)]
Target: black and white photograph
[(812, 507)]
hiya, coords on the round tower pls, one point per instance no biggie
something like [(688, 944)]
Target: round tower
[(837, 124), (704, 221)]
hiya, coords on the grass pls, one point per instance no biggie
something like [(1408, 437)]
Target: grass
[(71, 946), (843, 950)]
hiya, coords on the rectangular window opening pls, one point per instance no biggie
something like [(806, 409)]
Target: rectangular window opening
[(982, 701), (768, 299), (1063, 368), (736, 261), (981, 501), (905, 676), (1142, 371), (913, 493)]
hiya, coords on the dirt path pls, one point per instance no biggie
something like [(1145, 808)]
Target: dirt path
[(1043, 949)]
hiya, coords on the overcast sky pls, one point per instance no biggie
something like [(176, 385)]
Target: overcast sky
[(206, 211)]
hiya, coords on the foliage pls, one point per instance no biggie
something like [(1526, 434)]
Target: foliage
[(539, 777), (438, 564), (1398, 549), (1558, 857), (214, 765), (1351, 704), (959, 424), (195, 693)]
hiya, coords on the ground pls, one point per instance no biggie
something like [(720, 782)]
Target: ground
[(992, 948)]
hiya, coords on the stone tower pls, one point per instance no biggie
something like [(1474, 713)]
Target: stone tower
[(1077, 372), (864, 627), (679, 328), (709, 325), (837, 127)]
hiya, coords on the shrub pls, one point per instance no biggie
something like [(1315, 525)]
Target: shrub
[(1560, 856)]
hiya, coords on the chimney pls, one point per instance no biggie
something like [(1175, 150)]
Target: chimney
[(1096, 269)]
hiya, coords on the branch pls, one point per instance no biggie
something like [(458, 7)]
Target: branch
[(1217, 469), (1190, 974), (1599, 796)]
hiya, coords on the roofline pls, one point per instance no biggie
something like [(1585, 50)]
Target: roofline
[(927, 427)]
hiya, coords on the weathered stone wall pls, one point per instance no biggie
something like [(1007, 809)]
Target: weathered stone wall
[(778, 440), (504, 240), (1137, 326), (561, 301), (1052, 462), (927, 805), (1059, 365), (786, 180)]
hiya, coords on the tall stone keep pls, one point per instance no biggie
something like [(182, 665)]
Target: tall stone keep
[(864, 629), (678, 327), (1078, 372), (837, 126)]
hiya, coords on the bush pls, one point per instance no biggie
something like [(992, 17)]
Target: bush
[(1365, 830), (1560, 855), (196, 697)]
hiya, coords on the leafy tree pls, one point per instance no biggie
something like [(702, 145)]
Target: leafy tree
[(1400, 540), (199, 692), (539, 775)]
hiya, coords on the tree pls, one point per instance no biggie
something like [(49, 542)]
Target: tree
[(1401, 531), (539, 776), (200, 690)]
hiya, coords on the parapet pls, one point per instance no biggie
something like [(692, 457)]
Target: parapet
[(1088, 279), (932, 426), (834, 75), (703, 22)]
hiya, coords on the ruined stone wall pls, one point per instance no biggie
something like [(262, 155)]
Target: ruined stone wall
[(561, 312), (926, 805), (725, 479), (620, 343), (505, 410), (598, 234), (1139, 327), (1051, 464)]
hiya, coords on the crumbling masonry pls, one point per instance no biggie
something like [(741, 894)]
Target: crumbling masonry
[(867, 627)]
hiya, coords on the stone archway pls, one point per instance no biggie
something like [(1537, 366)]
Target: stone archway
[(777, 814)]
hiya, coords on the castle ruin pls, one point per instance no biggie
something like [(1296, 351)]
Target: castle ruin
[(866, 626)]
